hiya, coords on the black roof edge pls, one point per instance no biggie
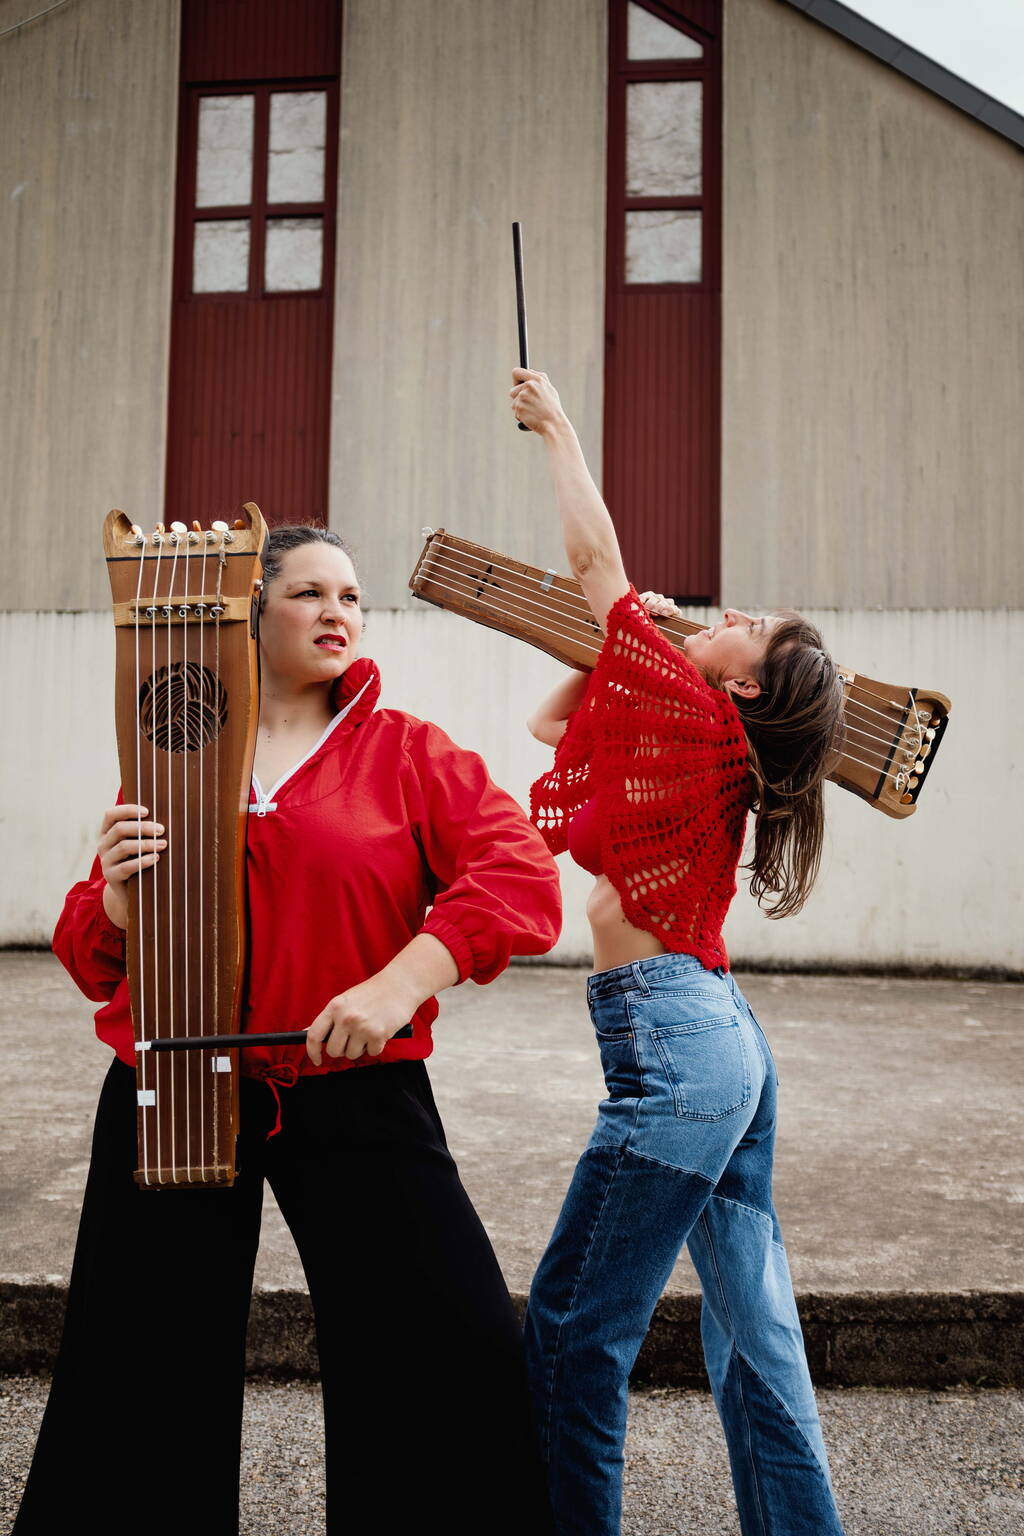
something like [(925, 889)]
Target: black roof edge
[(916, 66)]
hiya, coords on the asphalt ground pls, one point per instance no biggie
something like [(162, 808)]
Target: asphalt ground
[(898, 1176), (903, 1463)]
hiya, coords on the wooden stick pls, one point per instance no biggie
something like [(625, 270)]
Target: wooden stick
[(237, 1042), (524, 349)]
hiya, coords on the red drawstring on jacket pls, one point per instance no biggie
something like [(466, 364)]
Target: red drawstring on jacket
[(278, 1073)]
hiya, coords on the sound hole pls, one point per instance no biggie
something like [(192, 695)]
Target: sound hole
[(182, 707)]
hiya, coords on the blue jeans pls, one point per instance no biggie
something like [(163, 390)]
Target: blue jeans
[(681, 1153)]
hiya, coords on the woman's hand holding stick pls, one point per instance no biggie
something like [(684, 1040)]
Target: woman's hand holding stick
[(363, 1019)]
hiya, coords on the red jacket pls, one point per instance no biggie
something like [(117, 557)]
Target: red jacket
[(383, 820)]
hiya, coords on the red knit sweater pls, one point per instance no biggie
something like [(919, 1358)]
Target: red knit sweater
[(665, 756)]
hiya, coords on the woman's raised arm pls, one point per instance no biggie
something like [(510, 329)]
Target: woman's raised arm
[(591, 544)]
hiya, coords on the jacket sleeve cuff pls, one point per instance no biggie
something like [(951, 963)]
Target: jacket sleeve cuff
[(455, 942), (107, 936)]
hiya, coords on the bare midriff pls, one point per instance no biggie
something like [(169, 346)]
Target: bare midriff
[(616, 941)]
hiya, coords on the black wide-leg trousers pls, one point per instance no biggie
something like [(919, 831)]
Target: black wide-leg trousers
[(425, 1399)]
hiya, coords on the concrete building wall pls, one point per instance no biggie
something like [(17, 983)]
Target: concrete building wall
[(459, 116), (873, 356), (88, 97), (872, 392)]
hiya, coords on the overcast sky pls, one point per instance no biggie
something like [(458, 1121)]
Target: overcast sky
[(983, 41)]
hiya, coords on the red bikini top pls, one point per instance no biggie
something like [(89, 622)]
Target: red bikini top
[(584, 838)]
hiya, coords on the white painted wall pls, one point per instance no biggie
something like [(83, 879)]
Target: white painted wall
[(945, 887)]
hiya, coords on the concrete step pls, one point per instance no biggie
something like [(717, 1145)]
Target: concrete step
[(871, 1339)]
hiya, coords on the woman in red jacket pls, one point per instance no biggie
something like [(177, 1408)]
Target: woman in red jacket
[(383, 865), (659, 758)]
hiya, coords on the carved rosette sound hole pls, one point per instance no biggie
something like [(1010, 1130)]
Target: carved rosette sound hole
[(182, 707)]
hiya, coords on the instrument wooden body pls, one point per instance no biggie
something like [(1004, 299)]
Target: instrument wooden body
[(185, 608), (892, 732)]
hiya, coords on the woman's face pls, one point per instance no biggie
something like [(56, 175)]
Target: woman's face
[(311, 622), (729, 653)]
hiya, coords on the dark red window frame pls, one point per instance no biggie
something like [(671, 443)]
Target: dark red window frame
[(662, 428), (258, 210), (249, 391)]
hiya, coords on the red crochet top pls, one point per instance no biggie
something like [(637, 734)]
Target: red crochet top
[(665, 756)]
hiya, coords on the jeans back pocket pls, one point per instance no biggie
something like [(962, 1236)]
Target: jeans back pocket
[(706, 1066)]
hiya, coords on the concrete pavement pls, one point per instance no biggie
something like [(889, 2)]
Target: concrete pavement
[(904, 1463), (898, 1179)]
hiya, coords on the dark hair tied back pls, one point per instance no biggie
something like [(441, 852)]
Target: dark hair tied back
[(293, 536), (794, 731)]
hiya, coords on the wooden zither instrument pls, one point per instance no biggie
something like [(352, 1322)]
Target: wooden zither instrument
[(185, 610), (892, 732)]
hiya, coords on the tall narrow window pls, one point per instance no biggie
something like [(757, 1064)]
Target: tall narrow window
[(254, 257), (662, 362), (259, 222)]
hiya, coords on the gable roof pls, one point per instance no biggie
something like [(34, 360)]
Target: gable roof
[(916, 66)]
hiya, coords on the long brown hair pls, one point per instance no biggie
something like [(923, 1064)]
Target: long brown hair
[(794, 731)]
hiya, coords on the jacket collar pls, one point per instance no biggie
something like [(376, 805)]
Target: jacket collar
[(359, 682)]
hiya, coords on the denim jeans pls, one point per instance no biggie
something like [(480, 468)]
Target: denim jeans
[(681, 1153)]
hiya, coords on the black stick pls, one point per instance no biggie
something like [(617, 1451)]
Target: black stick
[(524, 349), (234, 1042)]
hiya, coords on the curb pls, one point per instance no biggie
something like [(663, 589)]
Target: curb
[(857, 1339)]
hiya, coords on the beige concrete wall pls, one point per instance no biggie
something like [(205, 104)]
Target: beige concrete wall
[(873, 332), (945, 887), (874, 341), (458, 117), (88, 106), (872, 403)]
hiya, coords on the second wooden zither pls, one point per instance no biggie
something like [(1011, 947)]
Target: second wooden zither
[(892, 732), (185, 609)]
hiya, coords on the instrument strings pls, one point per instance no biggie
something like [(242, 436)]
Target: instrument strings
[(202, 1057), (170, 853), (217, 1021), (183, 692), (154, 800), (138, 878), (570, 610)]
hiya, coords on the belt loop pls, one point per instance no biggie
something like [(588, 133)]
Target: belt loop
[(640, 978)]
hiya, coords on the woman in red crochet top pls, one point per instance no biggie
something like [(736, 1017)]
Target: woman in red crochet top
[(660, 755)]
